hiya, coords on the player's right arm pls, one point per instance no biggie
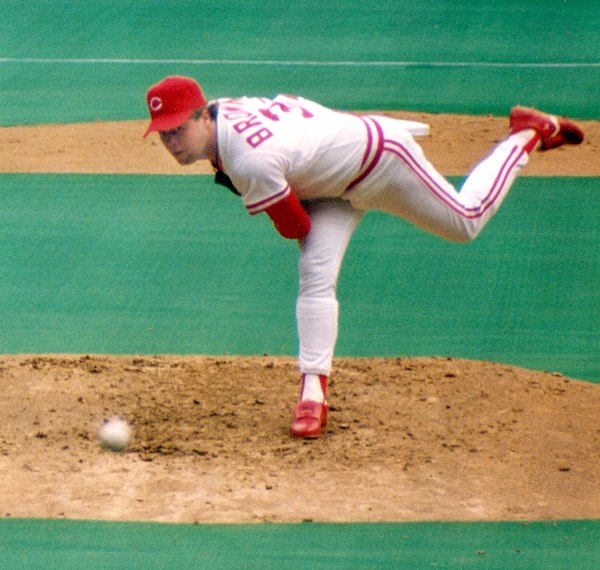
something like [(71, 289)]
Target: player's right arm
[(289, 217), (260, 180)]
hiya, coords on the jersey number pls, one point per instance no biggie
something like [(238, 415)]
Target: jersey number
[(274, 109)]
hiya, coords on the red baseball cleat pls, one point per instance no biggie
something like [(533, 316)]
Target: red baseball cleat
[(310, 419), (554, 131)]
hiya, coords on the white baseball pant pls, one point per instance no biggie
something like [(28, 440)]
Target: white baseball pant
[(405, 184)]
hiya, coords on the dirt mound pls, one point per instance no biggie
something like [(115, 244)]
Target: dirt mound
[(408, 439)]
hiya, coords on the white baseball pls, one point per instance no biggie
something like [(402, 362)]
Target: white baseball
[(115, 434)]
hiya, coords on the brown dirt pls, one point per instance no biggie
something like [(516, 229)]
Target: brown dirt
[(408, 439), (455, 144)]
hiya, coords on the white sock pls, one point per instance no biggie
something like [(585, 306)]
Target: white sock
[(311, 389)]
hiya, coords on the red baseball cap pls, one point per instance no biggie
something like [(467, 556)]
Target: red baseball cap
[(172, 101)]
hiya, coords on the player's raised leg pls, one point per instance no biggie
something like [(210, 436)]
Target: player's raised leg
[(406, 184)]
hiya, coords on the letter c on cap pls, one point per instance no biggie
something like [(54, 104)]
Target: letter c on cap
[(155, 104)]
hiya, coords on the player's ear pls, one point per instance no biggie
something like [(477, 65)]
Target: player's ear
[(205, 114), (198, 114)]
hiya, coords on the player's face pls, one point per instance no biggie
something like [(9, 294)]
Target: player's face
[(192, 141)]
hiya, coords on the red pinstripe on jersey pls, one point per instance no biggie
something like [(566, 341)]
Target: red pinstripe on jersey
[(373, 151), (262, 205)]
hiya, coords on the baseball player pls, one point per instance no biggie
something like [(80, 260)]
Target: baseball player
[(316, 171)]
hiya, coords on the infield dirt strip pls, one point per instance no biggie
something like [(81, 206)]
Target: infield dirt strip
[(455, 144), (408, 439)]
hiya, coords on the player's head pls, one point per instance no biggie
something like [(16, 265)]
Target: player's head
[(172, 101)]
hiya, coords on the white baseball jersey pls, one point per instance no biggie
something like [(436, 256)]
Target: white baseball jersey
[(270, 146)]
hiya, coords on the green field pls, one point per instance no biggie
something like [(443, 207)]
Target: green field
[(169, 264)]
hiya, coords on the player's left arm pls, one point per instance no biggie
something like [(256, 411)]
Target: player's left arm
[(289, 217)]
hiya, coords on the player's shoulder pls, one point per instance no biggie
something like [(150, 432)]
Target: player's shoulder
[(244, 102), (260, 104), (298, 101)]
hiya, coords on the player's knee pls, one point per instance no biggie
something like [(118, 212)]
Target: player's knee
[(467, 237), (317, 287), (317, 277), (465, 231)]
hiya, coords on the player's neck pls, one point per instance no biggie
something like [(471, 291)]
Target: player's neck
[(210, 149), (211, 152)]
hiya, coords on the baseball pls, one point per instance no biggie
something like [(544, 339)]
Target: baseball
[(115, 434)]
